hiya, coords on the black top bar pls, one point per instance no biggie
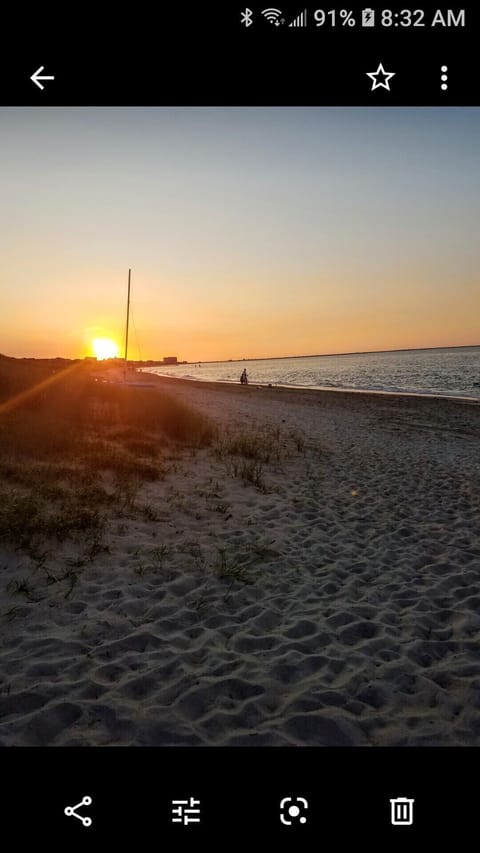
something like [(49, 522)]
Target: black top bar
[(240, 57)]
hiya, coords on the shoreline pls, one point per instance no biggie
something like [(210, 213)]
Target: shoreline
[(313, 389)]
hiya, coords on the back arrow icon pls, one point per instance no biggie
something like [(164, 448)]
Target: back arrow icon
[(35, 78)]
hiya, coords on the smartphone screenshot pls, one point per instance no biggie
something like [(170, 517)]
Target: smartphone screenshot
[(239, 427)]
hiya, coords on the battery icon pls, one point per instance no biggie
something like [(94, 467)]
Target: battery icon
[(368, 18)]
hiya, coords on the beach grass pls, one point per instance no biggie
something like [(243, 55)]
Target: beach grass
[(74, 449), (246, 452), (260, 447), (228, 567)]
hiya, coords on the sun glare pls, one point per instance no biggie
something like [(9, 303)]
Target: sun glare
[(104, 348)]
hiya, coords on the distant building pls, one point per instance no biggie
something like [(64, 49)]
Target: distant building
[(170, 359)]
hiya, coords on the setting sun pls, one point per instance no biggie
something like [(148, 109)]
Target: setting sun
[(105, 348)]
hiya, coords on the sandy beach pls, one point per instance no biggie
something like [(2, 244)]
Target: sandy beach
[(322, 590)]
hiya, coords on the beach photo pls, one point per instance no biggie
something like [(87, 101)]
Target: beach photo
[(239, 427)]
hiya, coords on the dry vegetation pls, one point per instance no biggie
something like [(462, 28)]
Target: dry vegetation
[(245, 454), (73, 450)]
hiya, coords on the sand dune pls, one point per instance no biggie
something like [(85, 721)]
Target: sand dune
[(334, 602)]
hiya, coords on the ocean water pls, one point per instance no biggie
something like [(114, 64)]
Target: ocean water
[(445, 372)]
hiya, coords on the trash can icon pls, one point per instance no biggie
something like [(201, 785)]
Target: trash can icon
[(401, 811)]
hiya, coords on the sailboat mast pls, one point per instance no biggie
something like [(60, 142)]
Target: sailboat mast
[(128, 317)]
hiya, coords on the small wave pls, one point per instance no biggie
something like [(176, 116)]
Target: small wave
[(330, 384)]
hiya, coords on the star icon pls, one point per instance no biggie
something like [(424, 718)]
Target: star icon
[(377, 75)]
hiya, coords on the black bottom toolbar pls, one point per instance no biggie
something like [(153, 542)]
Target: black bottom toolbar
[(302, 796)]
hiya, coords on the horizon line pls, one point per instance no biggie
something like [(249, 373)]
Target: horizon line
[(325, 354), (249, 358)]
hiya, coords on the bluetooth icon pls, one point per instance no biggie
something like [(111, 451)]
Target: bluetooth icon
[(246, 17)]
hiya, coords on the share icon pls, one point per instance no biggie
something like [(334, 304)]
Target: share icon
[(71, 811)]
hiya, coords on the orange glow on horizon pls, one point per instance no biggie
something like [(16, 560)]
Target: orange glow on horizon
[(241, 321), (104, 348)]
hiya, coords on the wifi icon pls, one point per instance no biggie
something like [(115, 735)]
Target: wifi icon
[(274, 16)]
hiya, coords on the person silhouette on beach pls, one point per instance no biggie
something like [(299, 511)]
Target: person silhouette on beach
[(244, 377)]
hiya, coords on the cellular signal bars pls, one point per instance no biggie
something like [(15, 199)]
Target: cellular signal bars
[(300, 20)]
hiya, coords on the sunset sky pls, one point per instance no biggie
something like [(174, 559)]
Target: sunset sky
[(250, 232)]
